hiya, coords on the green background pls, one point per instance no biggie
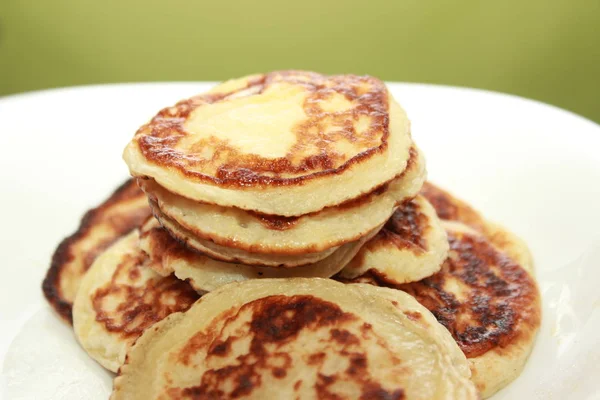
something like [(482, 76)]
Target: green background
[(547, 50)]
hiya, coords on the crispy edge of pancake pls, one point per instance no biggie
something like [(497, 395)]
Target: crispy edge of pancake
[(64, 256)]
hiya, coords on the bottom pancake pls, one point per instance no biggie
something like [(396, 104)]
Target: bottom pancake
[(488, 302), (205, 274), (127, 208), (297, 338), (119, 298), (411, 246)]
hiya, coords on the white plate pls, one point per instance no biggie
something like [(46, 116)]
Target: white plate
[(531, 166)]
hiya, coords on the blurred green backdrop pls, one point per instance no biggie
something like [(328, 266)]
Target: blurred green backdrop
[(543, 49)]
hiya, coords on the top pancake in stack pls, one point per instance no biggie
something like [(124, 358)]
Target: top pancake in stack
[(279, 169)]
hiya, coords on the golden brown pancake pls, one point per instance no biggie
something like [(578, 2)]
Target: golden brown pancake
[(450, 208), (411, 246), (487, 301), (284, 143), (297, 338), (119, 297), (123, 211), (168, 256)]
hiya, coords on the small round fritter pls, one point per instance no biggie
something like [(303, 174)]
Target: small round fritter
[(297, 338), (411, 246), (285, 143), (487, 301), (169, 256), (127, 208), (229, 233), (120, 297)]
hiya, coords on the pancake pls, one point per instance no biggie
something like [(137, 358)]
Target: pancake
[(205, 274), (450, 208), (119, 297), (285, 143), (125, 209), (297, 338), (234, 228), (411, 246), (487, 301)]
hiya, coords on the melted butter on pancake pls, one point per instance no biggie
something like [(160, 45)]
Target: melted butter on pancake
[(271, 116)]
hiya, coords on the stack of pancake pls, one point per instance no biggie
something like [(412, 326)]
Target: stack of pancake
[(261, 190), (287, 170)]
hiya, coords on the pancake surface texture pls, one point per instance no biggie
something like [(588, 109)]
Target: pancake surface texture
[(285, 143), (205, 274), (119, 297), (125, 210), (297, 338), (411, 246), (242, 230), (488, 302)]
